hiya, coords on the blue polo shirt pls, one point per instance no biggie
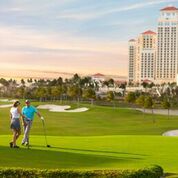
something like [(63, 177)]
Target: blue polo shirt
[(29, 112)]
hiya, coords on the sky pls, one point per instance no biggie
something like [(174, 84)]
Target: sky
[(72, 36)]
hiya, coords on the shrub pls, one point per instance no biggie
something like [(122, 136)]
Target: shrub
[(154, 172)]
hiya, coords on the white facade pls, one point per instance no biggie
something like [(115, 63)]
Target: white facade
[(167, 47), (157, 55), (132, 60), (142, 57), (147, 56)]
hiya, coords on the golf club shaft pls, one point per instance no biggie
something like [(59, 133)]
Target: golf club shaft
[(44, 129)]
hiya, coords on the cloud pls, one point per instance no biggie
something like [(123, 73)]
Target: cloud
[(22, 48), (19, 38), (70, 35), (99, 13)]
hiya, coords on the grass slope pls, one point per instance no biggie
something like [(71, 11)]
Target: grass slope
[(93, 152), (97, 121), (96, 139)]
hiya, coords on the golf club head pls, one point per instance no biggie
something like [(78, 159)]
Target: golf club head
[(48, 146)]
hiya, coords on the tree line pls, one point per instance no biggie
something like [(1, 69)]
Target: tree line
[(147, 101), (76, 88)]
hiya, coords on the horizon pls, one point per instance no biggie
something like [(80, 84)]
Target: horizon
[(54, 75), (72, 36)]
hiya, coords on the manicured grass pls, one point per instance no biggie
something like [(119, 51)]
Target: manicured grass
[(96, 139), (97, 121), (94, 152)]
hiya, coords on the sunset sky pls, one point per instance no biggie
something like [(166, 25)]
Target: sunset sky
[(83, 36)]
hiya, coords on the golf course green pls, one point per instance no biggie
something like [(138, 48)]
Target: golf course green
[(100, 138)]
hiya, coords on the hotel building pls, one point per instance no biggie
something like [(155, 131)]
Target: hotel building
[(167, 57), (142, 57), (156, 56), (132, 60)]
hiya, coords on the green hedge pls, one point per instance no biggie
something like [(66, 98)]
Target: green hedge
[(154, 172)]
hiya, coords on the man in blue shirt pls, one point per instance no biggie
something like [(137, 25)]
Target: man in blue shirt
[(28, 111)]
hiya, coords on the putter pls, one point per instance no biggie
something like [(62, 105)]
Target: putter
[(44, 129)]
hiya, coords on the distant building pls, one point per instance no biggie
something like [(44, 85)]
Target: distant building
[(142, 57), (167, 58), (132, 60), (147, 56), (154, 56), (98, 77)]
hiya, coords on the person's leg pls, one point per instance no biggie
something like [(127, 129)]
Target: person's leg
[(18, 130), (26, 132), (12, 128), (14, 137), (24, 136), (18, 134)]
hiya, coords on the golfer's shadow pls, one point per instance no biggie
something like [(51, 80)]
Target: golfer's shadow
[(94, 151), (98, 151), (58, 157)]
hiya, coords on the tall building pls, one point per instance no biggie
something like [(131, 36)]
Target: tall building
[(142, 57), (147, 55), (132, 60), (156, 56), (167, 50)]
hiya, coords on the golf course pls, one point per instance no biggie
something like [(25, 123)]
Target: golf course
[(100, 138)]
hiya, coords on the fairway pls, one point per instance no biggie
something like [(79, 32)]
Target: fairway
[(100, 138), (97, 121), (94, 152)]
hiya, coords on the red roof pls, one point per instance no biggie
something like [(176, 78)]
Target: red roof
[(120, 82), (132, 40), (149, 32), (98, 75), (147, 81), (171, 8)]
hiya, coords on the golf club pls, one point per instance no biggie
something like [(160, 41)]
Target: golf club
[(44, 129)]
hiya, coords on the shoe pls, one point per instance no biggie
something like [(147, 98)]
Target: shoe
[(26, 144), (11, 144), (16, 146), (22, 143)]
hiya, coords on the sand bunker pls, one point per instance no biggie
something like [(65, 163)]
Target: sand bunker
[(7, 100), (172, 133), (58, 108), (4, 100), (6, 106)]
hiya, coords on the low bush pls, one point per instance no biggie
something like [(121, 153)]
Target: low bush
[(154, 172)]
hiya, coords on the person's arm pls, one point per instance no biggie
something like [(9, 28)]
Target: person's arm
[(22, 115), (10, 115), (38, 114), (19, 111)]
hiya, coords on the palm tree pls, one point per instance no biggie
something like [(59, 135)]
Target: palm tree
[(41, 93), (90, 94), (130, 98), (166, 105), (22, 82), (141, 102), (20, 92), (111, 82), (60, 81), (56, 92), (106, 83), (149, 104), (111, 97)]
